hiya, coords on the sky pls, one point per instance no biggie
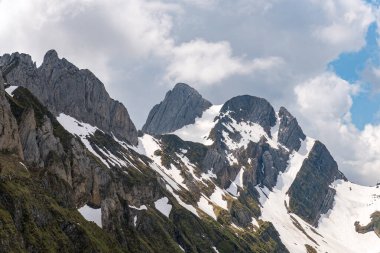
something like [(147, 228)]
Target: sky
[(318, 58)]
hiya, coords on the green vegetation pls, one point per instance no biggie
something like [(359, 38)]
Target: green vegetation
[(23, 99), (31, 220)]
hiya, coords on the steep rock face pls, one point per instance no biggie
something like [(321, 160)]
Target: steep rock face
[(28, 136), (290, 133), (310, 194), (9, 137), (181, 107), (62, 87), (47, 146)]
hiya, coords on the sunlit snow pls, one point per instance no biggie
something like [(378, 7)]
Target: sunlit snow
[(200, 130)]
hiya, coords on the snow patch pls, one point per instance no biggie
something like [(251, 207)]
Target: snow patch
[(215, 249), (143, 207), (206, 207), (190, 208), (200, 130), (249, 132), (163, 206), (233, 188), (11, 89), (91, 214), (82, 130), (217, 198), (135, 220)]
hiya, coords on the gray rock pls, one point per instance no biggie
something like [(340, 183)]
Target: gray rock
[(28, 136), (181, 107), (62, 87), (9, 136), (251, 109), (310, 194), (290, 133)]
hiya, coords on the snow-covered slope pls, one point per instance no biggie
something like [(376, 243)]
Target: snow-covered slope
[(335, 232)]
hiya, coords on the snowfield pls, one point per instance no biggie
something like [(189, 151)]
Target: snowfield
[(335, 232)]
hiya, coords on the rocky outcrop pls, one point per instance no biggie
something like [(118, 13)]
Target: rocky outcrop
[(290, 133), (310, 194), (62, 87), (9, 137), (373, 226), (181, 107)]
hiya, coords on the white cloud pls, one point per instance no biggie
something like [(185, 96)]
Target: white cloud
[(203, 63), (202, 3), (326, 97), (348, 22), (133, 45), (324, 104)]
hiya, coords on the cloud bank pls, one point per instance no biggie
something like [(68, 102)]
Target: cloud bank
[(275, 49)]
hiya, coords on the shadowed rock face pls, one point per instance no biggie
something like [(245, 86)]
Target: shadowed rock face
[(62, 87), (290, 133), (181, 107), (310, 194)]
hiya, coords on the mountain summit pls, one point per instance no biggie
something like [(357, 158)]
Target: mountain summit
[(64, 88), (180, 107)]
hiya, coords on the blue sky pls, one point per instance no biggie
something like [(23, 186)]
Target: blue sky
[(349, 66)]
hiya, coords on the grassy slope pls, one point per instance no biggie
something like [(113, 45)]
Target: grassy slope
[(32, 221)]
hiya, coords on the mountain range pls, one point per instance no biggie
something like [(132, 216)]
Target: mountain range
[(77, 176)]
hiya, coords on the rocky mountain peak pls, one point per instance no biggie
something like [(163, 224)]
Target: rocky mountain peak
[(51, 56), (180, 107), (251, 109), (64, 88)]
